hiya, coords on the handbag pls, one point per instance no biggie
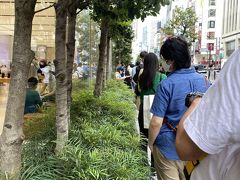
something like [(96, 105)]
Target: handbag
[(147, 104)]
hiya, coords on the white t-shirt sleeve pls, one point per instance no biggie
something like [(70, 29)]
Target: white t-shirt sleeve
[(215, 123), (45, 71)]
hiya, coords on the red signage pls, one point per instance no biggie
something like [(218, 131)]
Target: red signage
[(210, 46)]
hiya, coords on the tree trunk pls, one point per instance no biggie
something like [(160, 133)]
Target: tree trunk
[(70, 52), (109, 59), (102, 55), (61, 76), (104, 84), (12, 135)]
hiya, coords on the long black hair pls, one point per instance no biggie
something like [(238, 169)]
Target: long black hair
[(177, 50), (151, 66)]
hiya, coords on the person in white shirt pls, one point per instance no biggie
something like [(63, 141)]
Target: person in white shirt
[(120, 75), (80, 71), (45, 69), (50, 95), (211, 127), (4, 70)]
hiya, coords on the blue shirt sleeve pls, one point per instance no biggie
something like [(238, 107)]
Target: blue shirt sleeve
[(161, 100)]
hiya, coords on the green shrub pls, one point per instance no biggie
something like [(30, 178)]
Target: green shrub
[(40, 135), (103, 142), (40, 128)]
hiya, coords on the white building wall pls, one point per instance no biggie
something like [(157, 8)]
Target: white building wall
[(231, 26), (202, 11)]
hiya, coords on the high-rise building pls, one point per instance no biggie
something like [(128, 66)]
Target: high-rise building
[(147, 33), (209, 45), (231, 26)]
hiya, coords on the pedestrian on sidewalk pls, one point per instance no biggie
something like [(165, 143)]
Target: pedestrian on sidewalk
[(212, 128), (169, 106), (148, 82), (136, 74)]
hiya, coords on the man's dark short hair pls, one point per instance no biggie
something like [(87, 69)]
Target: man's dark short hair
[(143, 54), (32, 81), (177, 50)]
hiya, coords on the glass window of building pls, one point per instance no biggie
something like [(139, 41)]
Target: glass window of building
[(212, 2), (211, 24), (230, 47), (211, 12), (211, 35)]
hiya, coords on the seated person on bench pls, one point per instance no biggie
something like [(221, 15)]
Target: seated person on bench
[(50, 96), (33, 101)]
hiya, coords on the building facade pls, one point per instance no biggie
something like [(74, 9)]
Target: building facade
[(147, 34), (209, 44), (231, 26)]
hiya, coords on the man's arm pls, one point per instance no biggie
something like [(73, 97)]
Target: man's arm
[(38, 99), (49, 94), (154, 128), (186, 148)]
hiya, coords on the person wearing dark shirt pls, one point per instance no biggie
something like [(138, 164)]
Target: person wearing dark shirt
[(33, 101)]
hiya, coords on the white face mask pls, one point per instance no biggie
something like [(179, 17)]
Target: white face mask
[(168, 67)]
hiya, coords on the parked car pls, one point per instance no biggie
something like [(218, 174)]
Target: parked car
[(200, 68)]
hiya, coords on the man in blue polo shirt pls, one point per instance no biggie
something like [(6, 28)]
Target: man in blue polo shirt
[(169, 106)]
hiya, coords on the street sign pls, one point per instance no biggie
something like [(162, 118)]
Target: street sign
[(204, 50)]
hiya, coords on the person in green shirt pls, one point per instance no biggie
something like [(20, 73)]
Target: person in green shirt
[(148, 81), (33, 101)]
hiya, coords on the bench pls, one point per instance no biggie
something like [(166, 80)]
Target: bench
[(34, 116), (4, 80)]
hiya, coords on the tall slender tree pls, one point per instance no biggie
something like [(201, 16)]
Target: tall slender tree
[(72, 14), (106, 11), (65, 47), (122, 35), (182, 24), (102, 57), (62, 123), (71, 28), (109, 59), (12, 135), (88, 35)]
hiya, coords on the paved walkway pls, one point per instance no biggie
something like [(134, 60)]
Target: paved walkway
[(3, 103)]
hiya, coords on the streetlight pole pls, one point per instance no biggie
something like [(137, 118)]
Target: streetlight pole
[(194, 56)]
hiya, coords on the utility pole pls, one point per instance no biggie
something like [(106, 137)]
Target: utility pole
[(194, 56)]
